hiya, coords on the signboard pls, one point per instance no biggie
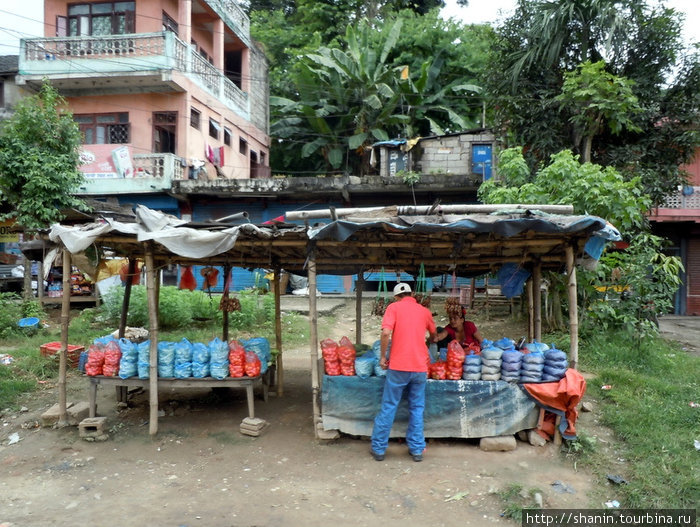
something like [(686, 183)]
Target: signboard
[(398, 161), (106, 161), (5, 235)]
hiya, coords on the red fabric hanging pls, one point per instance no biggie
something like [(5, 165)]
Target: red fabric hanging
[(187, 280)]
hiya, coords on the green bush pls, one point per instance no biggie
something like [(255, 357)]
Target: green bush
[(10, 314), (181, 308)]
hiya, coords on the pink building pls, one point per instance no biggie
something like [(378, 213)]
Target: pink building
[(679, 221), (162, 90)]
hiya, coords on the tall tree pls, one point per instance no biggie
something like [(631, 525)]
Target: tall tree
[(597, 100), (543, 40), (39, 157), (349, 97)]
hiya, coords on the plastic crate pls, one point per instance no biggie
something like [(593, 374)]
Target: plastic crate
[(72, 354)]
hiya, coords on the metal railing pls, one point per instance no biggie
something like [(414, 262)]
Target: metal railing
[(106, 46), (123, 49)]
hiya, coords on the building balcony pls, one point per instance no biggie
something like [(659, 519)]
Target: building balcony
[(148, 174), (134, 63), (682, 206)]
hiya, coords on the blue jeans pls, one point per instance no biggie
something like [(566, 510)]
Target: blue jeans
[(396, 382)]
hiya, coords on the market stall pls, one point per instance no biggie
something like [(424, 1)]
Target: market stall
[(469, 240)]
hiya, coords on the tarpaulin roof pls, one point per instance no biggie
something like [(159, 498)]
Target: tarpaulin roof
[(469, 244)]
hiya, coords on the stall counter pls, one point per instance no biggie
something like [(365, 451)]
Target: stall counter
[(459, 409)]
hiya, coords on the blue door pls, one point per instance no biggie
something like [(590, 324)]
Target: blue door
[(481, 160)]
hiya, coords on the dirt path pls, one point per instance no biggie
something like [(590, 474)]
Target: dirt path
[(200, 471)]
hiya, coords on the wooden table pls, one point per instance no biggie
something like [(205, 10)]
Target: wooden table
[(192, 382)]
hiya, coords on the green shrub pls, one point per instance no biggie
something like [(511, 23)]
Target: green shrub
[(10, 314), (180, 308)]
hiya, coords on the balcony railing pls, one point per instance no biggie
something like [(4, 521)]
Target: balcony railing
[(165, 166), (684, 199), (115, 54), (152, 173)]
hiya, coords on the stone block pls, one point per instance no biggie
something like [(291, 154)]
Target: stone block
[(497, 444), (50, 417), (78, 412), (92, 427), (535, 439)]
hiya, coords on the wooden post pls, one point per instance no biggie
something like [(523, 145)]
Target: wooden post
[(359, 287), (153, 335), (537, 299), (224, 313), (313, 323), (40, 280), (530, 312), (127, 297), (278, 331), (65, 321), (573, 307)]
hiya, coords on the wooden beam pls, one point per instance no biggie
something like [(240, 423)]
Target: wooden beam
[(224, 312), (530, 311), (359, 287), (153, 336), (131, 271), (278, 331), (65, 322), (573, 307), (537, 299), (313, 345)]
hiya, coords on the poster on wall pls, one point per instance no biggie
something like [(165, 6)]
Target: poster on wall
[(96, 162), (122, 161)]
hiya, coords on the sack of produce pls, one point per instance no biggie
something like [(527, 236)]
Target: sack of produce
[(261, 347), (95, 360), (183, 351), (218, 370), (253, 364), (438, 370), (218, 350), (236, 359), (331, 361), (200, 369), (364, 365), (183, 370), (200, 353)]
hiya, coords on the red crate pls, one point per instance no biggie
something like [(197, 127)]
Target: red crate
[(72, 354)]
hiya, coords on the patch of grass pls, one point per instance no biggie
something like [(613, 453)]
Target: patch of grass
[(515, 498), (648, 408)]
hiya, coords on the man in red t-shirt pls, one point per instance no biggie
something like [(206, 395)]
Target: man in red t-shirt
[(405, 322)]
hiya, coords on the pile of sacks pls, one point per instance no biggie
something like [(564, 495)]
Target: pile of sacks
[(500, 360), (180, 360)]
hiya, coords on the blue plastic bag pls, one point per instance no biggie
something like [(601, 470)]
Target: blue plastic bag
[(512, 278)]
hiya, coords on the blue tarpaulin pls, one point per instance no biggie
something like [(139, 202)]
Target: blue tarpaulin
[(459, 409)]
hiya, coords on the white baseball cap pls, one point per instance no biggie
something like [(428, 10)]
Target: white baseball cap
[(401, 288)]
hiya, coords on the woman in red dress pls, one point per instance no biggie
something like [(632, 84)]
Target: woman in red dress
[(463, 331)]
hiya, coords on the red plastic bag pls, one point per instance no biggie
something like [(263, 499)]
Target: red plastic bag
[(252, 364), (455, 353), (236, 359), (112, 354), (438, 370), (344, 341), (95, 360), (346, 355)]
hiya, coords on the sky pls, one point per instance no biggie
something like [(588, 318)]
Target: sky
[(23, 18)]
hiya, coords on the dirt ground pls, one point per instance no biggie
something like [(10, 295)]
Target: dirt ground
[(201, 471)]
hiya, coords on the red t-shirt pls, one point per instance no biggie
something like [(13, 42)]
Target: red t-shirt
[(409, 322), (469, 330)]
